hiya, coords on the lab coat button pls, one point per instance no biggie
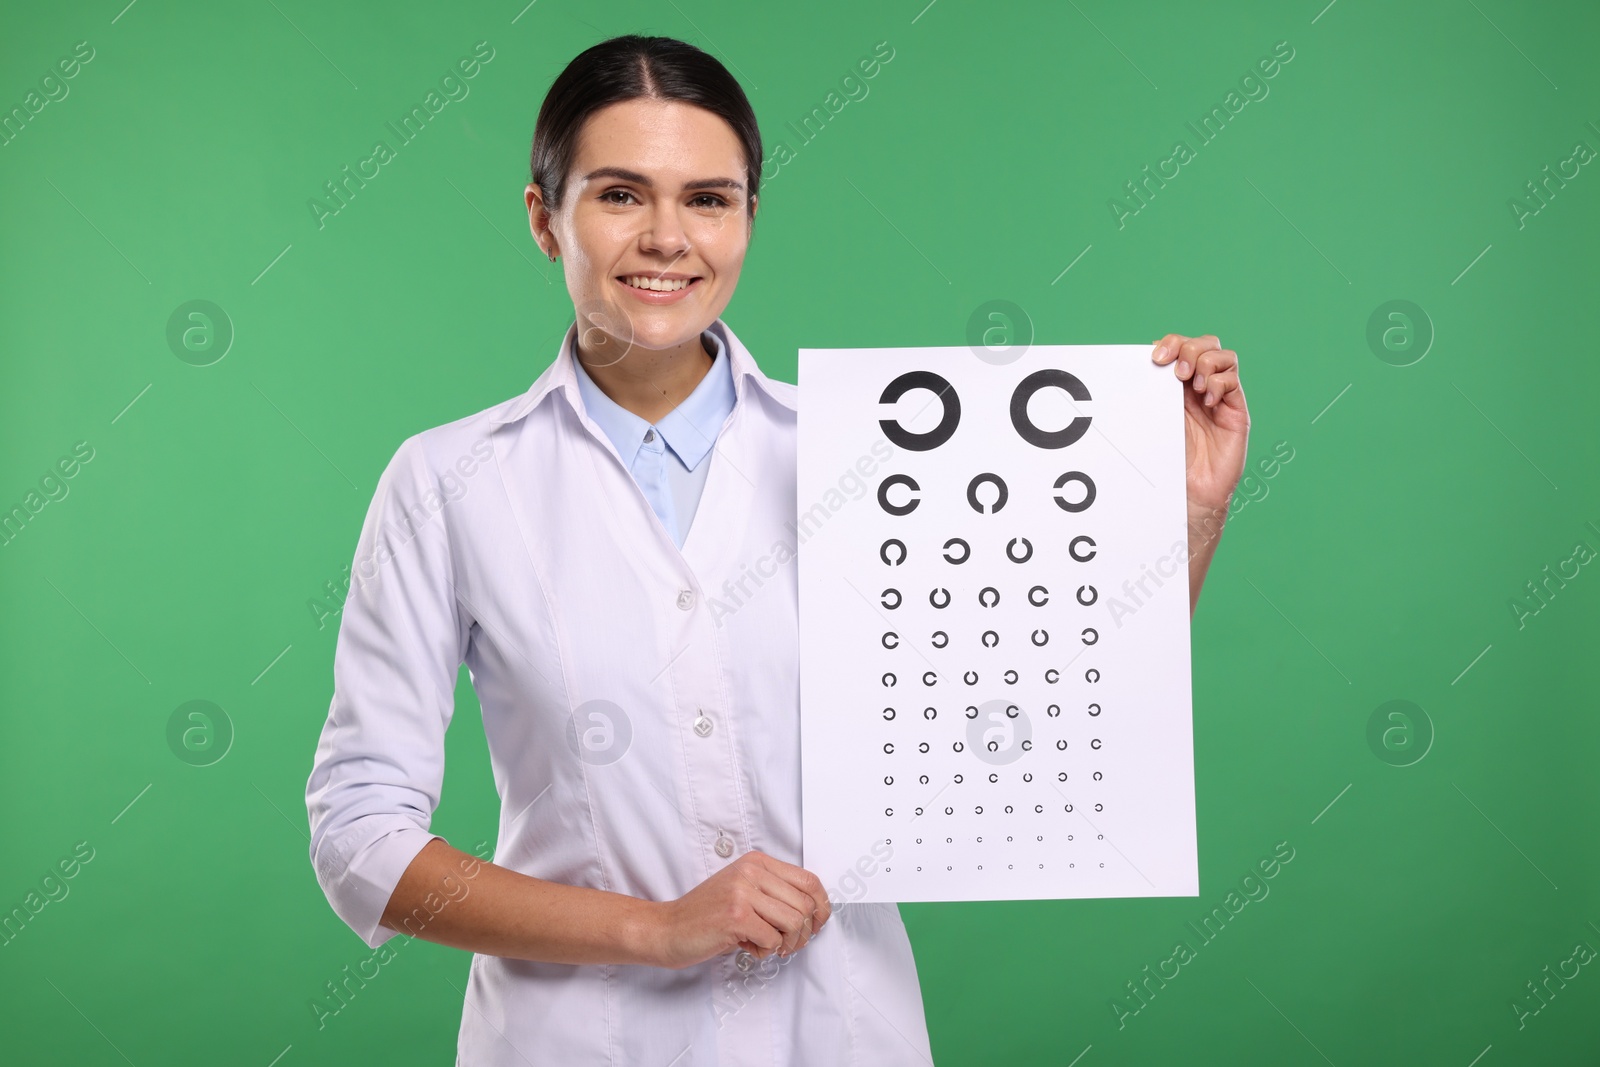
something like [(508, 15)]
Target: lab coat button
[(685, 599), (649, 435), (724, 847), (743, 960), (702, 726)]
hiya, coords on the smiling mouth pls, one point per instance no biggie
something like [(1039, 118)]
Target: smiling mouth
[(649, 284)]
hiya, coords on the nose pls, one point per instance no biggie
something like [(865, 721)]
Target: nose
[(665, 233)]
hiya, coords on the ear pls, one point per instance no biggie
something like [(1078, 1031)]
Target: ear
[(539, 220)]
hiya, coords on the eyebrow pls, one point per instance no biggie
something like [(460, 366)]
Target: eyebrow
[(639, 179)]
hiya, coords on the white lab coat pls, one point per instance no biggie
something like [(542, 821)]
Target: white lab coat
[(516, 541)]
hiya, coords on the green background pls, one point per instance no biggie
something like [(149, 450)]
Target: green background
[(1380, 564)]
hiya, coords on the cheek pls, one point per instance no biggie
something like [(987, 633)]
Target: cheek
[(600, 237), (607, 241), (728, 230), (727, 280), (723, 246), (728, 268)]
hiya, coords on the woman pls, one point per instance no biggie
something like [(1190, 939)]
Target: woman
[(644, 905)]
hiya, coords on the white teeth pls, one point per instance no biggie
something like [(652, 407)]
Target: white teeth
[(645, 281)]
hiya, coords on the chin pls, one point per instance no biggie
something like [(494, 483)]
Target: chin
[(663, 339)]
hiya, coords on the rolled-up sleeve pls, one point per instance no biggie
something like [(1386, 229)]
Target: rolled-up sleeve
[(379, 764)]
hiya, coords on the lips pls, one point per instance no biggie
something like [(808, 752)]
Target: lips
[(666, 285), (658, 296)]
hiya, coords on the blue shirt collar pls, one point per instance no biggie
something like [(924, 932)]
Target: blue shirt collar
[(689, 429)]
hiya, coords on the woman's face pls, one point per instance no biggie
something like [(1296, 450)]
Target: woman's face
[(656, 196)]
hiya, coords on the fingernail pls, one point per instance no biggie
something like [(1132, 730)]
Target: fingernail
[(1159, 354), (1183, 366), (1199, 381)]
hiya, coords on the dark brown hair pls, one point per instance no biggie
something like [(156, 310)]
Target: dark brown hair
[(629, 68)]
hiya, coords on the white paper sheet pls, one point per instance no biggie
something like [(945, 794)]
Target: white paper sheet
[(971, 803)]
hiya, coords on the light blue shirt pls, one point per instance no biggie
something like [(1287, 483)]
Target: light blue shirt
[(669, 458)]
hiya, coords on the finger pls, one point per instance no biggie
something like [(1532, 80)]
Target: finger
[(1189, 353), (760, 937), (1234, 398), (1222, 385), (805, 882), (776, 900), (811, 920), (1208, 363), (797, 901), (775, 884), (1166, 348), (802, 936), (788, 921), (757, 936)]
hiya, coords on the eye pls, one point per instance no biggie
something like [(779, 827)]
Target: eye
[(715, 201), (603, 197)]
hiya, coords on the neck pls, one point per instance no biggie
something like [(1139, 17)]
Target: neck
[(647, 382)]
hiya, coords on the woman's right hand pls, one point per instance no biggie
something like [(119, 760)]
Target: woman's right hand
[(757, 903)]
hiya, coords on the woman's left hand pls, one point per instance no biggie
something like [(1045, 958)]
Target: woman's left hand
[(1216, 420)]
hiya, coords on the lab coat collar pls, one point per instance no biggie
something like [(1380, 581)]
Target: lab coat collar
[(561, 375), (688, 430)]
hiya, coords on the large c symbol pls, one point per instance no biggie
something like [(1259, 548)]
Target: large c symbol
[(1043, 379), (921, 442)]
